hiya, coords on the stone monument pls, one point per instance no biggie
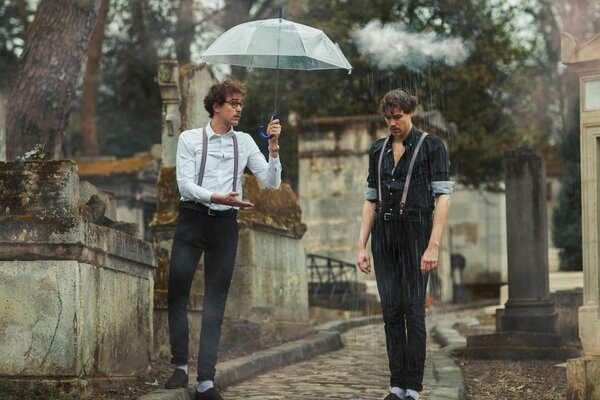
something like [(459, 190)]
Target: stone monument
[(526, 327), (583, 374), (75, 293)]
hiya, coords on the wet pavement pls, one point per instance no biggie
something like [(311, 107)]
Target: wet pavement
[(357, 370)]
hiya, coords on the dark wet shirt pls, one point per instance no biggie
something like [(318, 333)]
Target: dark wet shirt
[(430, 176)]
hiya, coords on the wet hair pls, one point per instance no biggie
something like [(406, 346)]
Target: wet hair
[(219, 91), (397, 98)]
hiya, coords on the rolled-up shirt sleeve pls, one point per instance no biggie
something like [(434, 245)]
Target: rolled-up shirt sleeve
[(186, 173), (371, 190), (440, 181)]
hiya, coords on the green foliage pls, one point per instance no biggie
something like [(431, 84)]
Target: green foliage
[(14, 16), (129, 106), (36, 153)]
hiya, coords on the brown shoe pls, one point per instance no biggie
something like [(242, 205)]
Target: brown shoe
[(210, 394), (391, 396), (179, 379)]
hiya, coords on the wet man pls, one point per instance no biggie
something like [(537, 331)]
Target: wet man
[(407, 200), (210, 167)]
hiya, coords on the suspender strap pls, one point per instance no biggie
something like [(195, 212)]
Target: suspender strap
[(410, 170), (379, 170), (204, 157), (408, 175), (235, 161), (204, 154)]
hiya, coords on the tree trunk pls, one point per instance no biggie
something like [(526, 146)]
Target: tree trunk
[(46, 78), (237, 12), (184, 31), (90, 84)]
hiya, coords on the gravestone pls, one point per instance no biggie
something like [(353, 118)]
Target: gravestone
[(526, 327)]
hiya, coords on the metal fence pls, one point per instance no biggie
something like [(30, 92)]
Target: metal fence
[(329, 276)]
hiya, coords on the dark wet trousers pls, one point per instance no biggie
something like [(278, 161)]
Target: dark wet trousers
[(397, 248), (197, 232)]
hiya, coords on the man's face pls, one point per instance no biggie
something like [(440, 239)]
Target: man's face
[(399, 123), (230, 112)]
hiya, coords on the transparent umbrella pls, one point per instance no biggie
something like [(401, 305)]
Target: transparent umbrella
[(279, 44)]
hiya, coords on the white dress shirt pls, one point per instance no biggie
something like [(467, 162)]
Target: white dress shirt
[(218, 173)]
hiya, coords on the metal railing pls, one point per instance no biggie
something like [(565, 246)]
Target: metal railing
[(329, 275)]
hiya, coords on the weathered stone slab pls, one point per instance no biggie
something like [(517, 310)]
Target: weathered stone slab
[(583, 378), (75, 297)]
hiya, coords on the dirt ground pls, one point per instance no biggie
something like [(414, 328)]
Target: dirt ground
[(504, 380)]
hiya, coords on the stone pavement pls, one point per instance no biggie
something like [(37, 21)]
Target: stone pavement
[(323, 370)]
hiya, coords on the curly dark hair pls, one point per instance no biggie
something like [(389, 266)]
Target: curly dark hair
[(219, 91), (397, 98)]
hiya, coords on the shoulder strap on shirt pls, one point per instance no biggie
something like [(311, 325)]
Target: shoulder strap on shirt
[(235, 161), (410, 170), (204, 153), (379, 170)]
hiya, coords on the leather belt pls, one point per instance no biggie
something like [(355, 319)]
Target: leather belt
[(194, 205), (406, 214)]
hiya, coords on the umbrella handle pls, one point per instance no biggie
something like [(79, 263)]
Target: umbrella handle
[(261, 130)]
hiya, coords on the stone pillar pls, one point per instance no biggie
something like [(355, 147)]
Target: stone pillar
[(529, 307), (75, 296), (526, 327), (582, 374)]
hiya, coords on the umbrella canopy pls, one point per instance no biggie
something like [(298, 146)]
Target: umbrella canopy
[(276, 43)]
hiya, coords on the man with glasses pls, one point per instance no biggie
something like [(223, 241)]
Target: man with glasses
[(407, 201), (210, 166)]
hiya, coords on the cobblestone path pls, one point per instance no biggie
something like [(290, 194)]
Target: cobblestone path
[(358, 371)]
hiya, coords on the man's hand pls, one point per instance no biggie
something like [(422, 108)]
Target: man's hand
[(274, 130), (429, 260), (364, 261), (230, 199)]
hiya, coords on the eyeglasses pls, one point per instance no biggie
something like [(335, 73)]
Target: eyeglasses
[(235, 103)]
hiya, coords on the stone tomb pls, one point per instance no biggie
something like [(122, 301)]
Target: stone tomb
[(75, 296)]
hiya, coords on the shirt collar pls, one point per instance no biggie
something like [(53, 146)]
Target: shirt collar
[(210, 133), (410, 139), (412, 136)]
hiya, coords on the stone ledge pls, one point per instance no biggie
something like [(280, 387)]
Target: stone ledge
[(83, 241)]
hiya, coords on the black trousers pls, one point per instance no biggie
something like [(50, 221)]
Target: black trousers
[(197, 232), (397, 248)]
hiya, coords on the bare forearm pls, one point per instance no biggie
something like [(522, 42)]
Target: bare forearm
[(368, 217), (442, 204)]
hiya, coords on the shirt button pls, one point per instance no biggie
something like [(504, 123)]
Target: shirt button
[(393, 180)]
